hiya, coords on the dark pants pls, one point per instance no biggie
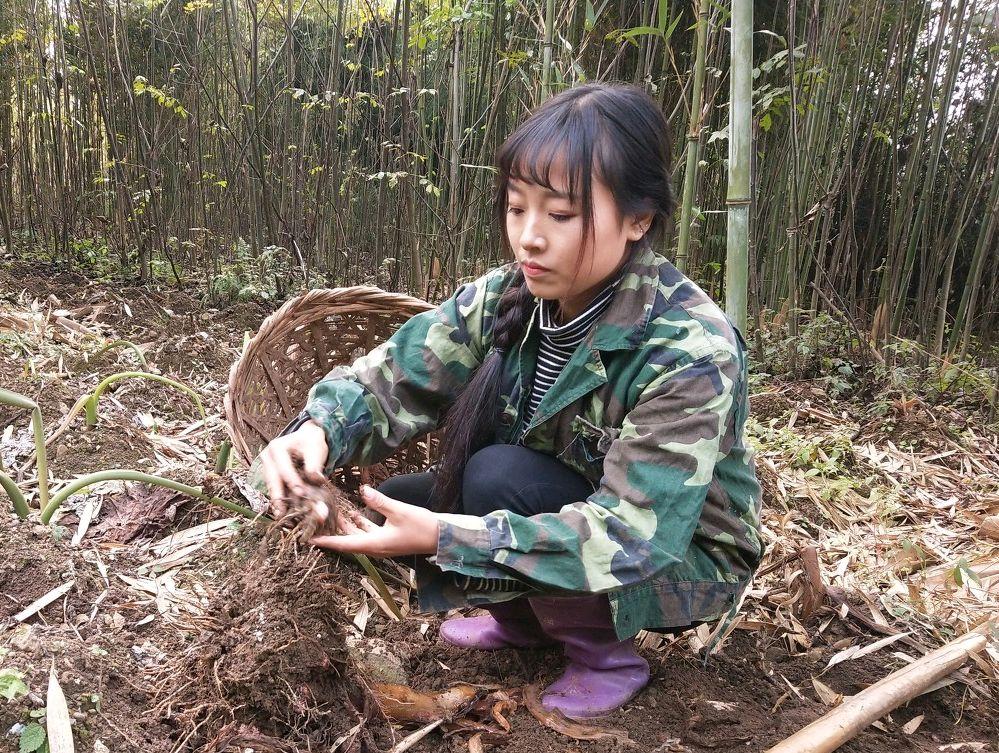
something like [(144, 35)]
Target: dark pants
[(501, 477), (506, 477)]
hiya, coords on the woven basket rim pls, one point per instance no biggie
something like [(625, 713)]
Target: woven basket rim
[(295, 313)]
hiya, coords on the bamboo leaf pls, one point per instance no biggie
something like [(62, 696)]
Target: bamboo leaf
[(59, 730)]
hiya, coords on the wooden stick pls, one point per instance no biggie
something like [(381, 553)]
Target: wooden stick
[(858, 712), (410, 740)]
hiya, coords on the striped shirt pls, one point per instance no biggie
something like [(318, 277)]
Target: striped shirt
[(559, 341)]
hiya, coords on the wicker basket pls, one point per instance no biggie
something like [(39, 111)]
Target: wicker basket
[(295, 347)]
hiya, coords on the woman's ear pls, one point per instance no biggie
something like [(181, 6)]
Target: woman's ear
[(638, 226)]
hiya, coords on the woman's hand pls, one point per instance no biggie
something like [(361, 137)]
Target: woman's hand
[(407, 529), (277, 464)]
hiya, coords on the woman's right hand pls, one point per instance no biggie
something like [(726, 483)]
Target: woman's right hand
[(277, 464)]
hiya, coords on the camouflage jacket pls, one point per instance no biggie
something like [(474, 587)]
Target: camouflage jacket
[(650, 408)]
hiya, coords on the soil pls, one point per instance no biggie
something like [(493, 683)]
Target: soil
[(257, 642)]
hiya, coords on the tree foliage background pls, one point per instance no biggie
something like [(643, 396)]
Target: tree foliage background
[(340, 142)]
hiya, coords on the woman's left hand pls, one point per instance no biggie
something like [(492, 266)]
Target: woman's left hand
[(407, 529)]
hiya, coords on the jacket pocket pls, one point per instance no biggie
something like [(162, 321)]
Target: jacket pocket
[(587, 449)]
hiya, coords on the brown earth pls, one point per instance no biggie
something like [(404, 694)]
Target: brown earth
[(250, 648)]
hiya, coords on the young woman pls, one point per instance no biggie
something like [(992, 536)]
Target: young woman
[(594, 480)]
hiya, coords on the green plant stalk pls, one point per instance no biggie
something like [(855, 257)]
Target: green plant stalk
[(91, 405), (379, 584), (693, 138), (222, 459), (546, 54), (38, 428), (20, 504), (126, 344), (739, 156), (120, 474)]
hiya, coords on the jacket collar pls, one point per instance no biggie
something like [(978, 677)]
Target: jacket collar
[(623, 324)]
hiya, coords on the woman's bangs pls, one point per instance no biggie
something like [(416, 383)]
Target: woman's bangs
[(538, 152)]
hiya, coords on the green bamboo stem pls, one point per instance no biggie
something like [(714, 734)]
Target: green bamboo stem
[(38, 429), (125, 344), (91, 404), (546, 54), (739, 156), (119, 474), (20, 504), (693, 138), (222, 459)]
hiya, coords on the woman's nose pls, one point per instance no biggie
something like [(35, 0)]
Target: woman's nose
[(531, 238)]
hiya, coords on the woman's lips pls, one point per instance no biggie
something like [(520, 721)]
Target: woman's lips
[(533, 270)]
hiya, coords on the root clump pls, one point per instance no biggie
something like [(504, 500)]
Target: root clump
[(271, 670)]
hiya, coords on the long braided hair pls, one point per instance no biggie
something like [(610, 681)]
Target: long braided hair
[(614, 131)]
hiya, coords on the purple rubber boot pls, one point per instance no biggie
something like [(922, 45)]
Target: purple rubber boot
[(604, 672), (509, 624)]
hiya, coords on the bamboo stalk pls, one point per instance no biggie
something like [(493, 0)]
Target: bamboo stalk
[(693, 137), (858, 712), (740, 160)]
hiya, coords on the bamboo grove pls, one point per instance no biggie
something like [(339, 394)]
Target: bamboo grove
[(336, 142)]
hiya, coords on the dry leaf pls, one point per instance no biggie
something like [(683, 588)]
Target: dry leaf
[(58, 730), (913, 724), (43, 601), (475, 743), (855, 652), (361, 618), (557, 721), (827, 695)]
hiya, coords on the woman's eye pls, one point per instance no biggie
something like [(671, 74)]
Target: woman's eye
[(561, 217), (514, 210)]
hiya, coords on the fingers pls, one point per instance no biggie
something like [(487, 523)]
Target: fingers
[(314, 451), (362, 522), (345, 525), (355, 543), (320, 511), (275, 487), (378, 501)]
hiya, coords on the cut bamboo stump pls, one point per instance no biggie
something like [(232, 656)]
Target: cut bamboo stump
[(858, 712)]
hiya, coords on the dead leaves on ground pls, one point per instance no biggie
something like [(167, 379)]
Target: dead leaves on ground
[(483, 711)]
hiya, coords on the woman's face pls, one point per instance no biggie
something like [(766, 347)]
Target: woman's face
[(546, 234)]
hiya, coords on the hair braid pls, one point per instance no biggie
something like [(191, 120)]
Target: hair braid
[(470, 424)]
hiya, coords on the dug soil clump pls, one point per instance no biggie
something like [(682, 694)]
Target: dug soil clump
[(271, 669)]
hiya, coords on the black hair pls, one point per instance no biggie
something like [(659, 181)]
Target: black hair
[(614, 131)]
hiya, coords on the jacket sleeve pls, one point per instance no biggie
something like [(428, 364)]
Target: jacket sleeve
[(642, 516), (401, 389)]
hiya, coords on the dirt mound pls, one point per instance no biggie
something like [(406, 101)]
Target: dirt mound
[(34, 563), (272, 667)]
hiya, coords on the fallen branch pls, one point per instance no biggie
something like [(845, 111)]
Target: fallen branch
[(858, 712), (410, 740)]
